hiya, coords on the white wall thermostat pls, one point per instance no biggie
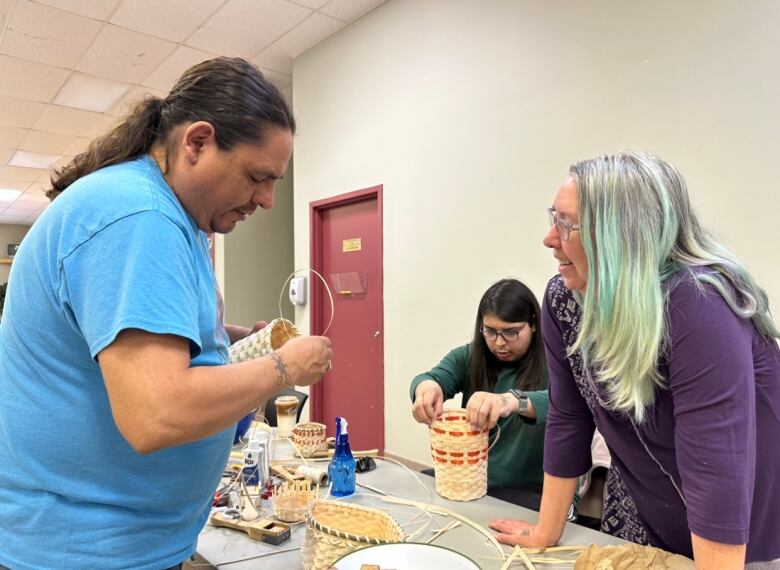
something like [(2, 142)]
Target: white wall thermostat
[(298, 291)]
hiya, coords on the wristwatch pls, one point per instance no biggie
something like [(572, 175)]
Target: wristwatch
[(522, 398)]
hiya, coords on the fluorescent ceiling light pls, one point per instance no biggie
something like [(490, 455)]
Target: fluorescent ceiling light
[(29, 159), (89, 92), (9, 195)]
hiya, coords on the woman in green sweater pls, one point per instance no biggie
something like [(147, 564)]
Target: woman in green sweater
[(502, 376)]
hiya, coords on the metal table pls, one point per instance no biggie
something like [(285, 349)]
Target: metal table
[(233, 550)]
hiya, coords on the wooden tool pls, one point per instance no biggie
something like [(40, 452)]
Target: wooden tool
[(264, 530)]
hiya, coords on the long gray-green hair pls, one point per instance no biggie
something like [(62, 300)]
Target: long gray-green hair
[(639, 228)]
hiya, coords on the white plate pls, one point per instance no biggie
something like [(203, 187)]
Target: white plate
[(406, 556)]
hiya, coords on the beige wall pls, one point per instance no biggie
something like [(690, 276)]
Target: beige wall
[(9, 233), (257, 258), (470, 117)]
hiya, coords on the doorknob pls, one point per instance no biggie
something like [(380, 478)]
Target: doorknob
[(376, 334)]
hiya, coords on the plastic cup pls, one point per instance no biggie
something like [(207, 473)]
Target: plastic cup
[(286, 413)]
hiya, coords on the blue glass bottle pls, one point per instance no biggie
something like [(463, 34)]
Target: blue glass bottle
[(341, 469)]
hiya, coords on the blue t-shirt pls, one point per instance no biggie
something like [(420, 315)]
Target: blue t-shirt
[(115, 251)]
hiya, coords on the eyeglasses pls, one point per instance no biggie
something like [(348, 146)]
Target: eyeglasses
[(564, 228), (509, 335)]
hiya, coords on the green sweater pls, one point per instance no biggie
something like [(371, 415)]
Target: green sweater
[(517, 457)]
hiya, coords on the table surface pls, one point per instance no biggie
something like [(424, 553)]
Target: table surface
[(233, 550)]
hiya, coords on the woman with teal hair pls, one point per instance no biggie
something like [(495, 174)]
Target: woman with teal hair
[(656, 335)]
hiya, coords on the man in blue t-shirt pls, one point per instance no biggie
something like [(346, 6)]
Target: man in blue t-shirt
[(119, 404)]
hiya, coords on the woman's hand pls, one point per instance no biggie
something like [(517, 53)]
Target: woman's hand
[(484, 409), (303, 360), (520, 533), (428, 401)]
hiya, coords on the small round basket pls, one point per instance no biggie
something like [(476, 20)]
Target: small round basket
[(292, 500), (264, 341), (459, 457), (309, 438), (335, 528)]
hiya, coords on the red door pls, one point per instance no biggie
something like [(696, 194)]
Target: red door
[(346, 249)]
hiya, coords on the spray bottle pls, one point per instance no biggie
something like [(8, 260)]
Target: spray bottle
[(341, 470)]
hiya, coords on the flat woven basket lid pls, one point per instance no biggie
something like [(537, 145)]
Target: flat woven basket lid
[(354, 522)]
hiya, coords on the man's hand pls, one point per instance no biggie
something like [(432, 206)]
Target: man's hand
[(303, 360), (428, 402), (519, 533), (484, 409)]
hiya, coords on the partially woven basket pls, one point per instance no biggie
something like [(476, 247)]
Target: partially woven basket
[(335, 528), (459, 457), (309, 438), (264, 341)]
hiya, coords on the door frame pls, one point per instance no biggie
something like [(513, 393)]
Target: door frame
[(316, 324)]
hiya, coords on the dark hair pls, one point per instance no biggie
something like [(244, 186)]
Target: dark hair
[(513, 302), (228, 92)]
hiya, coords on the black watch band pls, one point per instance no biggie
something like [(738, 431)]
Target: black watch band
[(522, 398)]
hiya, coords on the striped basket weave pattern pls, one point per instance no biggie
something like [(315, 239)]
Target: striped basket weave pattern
[(336, 528), (459, 457), (264, 341)]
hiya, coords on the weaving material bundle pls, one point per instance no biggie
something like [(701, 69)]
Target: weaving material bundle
[(264, 341), (335, 528), (309, 438), (459, 457)]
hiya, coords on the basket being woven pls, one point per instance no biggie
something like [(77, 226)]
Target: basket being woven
[(459, 457), (309, 438), (336, 528), (264, 341)]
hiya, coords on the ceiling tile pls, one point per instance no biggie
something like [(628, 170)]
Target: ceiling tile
[(48, 35), (313, 4), (172, 20), (67, 121), (90, 93), (13, 210), (21, 174), (279, 55), (98, 9), (29, 80), (5, 9), (78, 147), (279, 79), (30, 205), (34, 160), (134, 96), (19, 113), (166, 76), (124, 55), (37, 197), (5, 154), (9, 184), (245, 27), (348, 10), (11, 136), (47, 143)]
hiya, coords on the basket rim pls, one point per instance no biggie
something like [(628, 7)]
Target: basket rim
[(348, 535)]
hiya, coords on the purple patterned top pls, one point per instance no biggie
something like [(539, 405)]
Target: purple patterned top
[(707, 459)]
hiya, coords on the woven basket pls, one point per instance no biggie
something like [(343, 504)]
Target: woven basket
[(264, 341), (336, 528), (459, 457), (292, 500), (309, 438)]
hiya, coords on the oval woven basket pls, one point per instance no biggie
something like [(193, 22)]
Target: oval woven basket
[(459, 457), (309, 438), (336, 528), (264, 341)]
